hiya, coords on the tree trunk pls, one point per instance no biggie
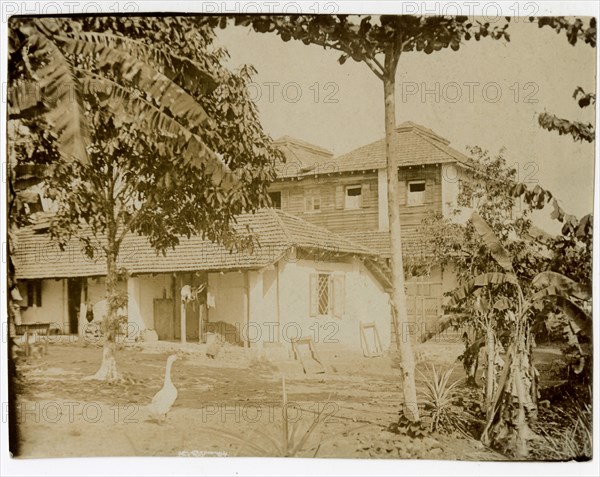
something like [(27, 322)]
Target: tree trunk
[(407, 362), (108, 369), (490, 349)]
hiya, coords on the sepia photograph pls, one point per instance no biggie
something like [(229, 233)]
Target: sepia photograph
[(315, 230)]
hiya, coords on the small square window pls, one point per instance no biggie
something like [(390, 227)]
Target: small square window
[(353, 198), (417, 186), (275, 199), (313, 202), (416, 193)]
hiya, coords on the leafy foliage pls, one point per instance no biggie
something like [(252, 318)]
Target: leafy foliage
[(367, 38), (577, 130), (575, 30), (507, 288), (566, 425), (130, 186), (162, 142), (576, 443), (571, 252), (181, 91), (515, 398)]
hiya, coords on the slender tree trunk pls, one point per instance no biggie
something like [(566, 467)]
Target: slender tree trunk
[(407, 361), (108, 368)]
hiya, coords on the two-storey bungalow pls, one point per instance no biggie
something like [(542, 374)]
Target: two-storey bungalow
[(347, 194)]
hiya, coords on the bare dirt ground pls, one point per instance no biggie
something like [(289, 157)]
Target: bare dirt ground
[(227, 406)]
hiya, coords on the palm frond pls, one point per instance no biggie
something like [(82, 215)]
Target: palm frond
[(177, 137), (24, 99), (123, 68), (162, 90), (183, 71), (61, 94)]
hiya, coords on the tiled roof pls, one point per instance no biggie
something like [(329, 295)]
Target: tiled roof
[(375, 240), (276, 232), (309, 236), (379, 241), (415, 144), (300, 156)]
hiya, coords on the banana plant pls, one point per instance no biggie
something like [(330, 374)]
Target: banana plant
[(514, 404), (55, 65)]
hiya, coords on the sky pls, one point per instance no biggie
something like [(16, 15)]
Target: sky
[(487, 94)]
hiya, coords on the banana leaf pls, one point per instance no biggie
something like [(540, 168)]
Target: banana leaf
[(492, 243)]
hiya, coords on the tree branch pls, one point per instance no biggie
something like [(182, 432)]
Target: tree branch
[(129, 224), (378, 63), (374, 68)]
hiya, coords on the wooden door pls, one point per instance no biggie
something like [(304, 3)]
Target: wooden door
[(192, 313), (163, 318), (74, 302), (424, 302)]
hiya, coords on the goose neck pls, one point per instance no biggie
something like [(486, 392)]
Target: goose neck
[(168, 372)]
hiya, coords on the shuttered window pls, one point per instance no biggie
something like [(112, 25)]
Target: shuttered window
[(327, 295), (366, 195), (285, 199), (339, 197), (339, 295), (312, 201)]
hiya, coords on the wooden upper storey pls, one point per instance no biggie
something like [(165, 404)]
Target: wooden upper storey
[(348, 193)]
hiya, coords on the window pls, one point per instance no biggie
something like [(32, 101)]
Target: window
[(416, 193), (327, 295), (34, 293), (275, 199), (323, 294), (353, 198), (313, 201)]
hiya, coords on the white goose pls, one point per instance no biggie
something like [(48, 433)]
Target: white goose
[(164, 399)]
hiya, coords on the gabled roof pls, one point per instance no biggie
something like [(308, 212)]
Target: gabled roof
[(276, 231), (415, 144), (300, 156)]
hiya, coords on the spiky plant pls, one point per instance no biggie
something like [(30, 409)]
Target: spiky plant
[(575, 442), (439, 396), (290, 438)]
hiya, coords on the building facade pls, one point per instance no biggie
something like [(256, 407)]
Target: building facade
[(300, 281), (348, 195)]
